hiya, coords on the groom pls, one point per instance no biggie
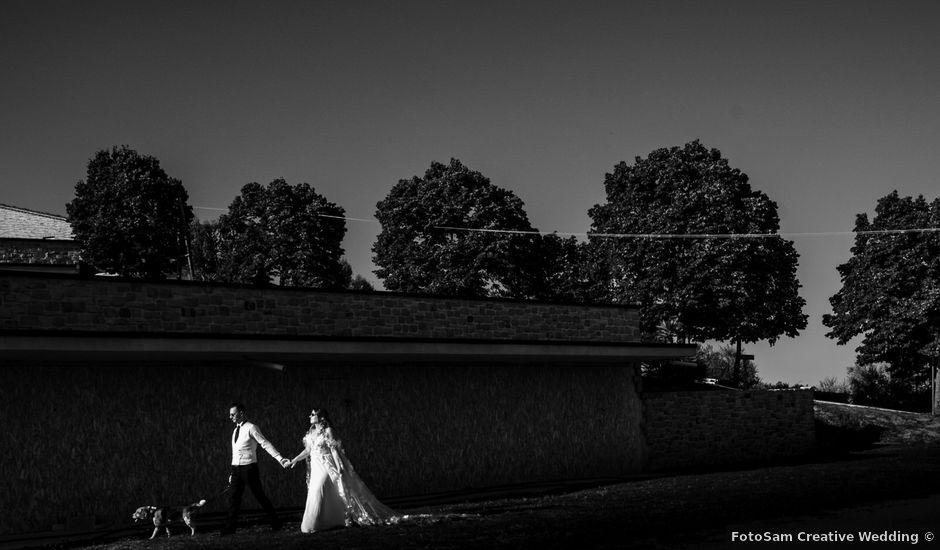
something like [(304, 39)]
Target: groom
[(245, 441)]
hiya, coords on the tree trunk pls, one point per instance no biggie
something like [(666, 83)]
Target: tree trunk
[(934, 386), (736, 371)]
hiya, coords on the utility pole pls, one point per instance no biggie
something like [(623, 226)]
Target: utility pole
[(933, 384), (185, 235)]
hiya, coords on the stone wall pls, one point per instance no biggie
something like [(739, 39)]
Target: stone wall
[(35, 251), (48, 302), (702, 428)]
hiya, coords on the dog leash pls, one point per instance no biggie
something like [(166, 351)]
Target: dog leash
[(220, 493)]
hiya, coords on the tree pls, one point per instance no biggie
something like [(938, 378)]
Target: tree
[(891, 288), (360, 283), (355, 282), (873, 384), (737, 289), (719, 364), (282, 231), (130, 218), (832, 385), (417, 251), (569, 271), (205, 244)]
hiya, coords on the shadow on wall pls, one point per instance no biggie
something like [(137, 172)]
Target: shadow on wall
[(97, 441)]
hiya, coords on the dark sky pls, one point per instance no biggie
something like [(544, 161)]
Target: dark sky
[(826, 105)]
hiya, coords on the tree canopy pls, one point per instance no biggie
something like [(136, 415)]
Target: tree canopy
[(737, 289), (417, 251), (719, 364), (569, 270), (282, 231), (205, 247), (129, 216), (891, 287)]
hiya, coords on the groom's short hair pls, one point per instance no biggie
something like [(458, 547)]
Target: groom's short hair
[(238, 406)]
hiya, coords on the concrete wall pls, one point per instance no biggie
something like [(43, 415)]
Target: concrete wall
[(86, 444), (102, 304), (687, 429)]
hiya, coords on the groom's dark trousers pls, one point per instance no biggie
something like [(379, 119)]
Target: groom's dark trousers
[(242, 476)]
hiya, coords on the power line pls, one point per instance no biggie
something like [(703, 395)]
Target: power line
[(321, 215), (347, 218), (695, 235), (648, 235)]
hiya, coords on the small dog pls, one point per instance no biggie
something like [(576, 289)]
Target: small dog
[(162, 516)]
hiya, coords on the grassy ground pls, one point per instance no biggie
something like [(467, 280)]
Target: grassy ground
[(868, 457), (886, 426)]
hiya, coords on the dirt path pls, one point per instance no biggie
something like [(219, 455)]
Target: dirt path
[(687, 510)]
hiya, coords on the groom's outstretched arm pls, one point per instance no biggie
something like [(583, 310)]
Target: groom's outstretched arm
[(265, 444)]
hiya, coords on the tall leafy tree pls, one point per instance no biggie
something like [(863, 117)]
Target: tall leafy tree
[(726, 289), (285, 232), (129, 216), (205, 245), (417, 252), (890, 291)]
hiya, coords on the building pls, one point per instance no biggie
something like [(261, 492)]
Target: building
[(36, 241), (115, 393)]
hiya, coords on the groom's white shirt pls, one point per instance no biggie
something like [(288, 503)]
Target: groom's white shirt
[(245, 446)]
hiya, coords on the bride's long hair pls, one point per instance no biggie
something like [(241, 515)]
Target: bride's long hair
[(322, 423), (323, 418)]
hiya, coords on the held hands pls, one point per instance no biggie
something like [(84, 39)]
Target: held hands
[(285, 463)]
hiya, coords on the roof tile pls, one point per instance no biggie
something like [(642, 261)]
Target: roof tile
[(20, 223)]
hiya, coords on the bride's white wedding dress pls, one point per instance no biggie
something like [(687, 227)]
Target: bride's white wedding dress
[(336, 495)]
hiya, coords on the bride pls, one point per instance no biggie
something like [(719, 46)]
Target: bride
[(336, 496)]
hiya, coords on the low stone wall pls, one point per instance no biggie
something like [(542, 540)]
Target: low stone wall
[(38, 251), (704, 428), (47, 302)]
